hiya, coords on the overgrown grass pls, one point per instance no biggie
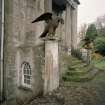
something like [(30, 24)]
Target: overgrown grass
[(100, 64)]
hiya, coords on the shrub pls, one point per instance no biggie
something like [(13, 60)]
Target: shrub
[(99, 45), (91, 32)]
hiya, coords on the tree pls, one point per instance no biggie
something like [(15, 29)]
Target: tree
[(91, 32), (100, 25), (99, 42), (100, 22)]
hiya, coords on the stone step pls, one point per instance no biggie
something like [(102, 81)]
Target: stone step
[(73, 68), (79, 65), (81, 69), (76, 62), (73, 58), (79, 72), (76, 78)]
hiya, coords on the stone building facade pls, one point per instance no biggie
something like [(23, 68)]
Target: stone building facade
[(21, 49)]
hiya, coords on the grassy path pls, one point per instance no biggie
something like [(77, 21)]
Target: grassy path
[(81, 85), (77, 93)]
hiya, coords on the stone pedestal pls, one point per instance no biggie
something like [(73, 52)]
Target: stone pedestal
[(51, 72)]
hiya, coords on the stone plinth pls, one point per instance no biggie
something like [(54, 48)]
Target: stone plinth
[(51, 72)]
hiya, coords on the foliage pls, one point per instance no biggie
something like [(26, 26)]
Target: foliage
[(101, 32), (99, 44), (91, 32), (100, 63), (96, 56), (100, 22), (100, 25)]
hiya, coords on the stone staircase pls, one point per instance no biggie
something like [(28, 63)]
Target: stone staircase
[(78, 71)]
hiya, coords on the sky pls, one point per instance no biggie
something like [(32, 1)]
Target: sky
[(89, 10)]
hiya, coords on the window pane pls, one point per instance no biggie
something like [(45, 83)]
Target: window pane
[(25, 81), (25, 72), (28, 71), (28, 81), (27, 76)]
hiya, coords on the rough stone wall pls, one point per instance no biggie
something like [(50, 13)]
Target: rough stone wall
[(9, 52), (0, 46), (22, 44), (48, 5), (0, 22)]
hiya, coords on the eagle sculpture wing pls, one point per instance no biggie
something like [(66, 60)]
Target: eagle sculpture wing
[(52, 23), (44, 17)]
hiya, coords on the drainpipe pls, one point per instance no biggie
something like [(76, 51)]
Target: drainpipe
[(2, 48)]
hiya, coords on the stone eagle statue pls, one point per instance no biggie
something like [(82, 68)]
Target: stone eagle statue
[(52, 23)]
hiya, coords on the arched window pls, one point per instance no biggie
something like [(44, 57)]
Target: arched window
[(26, 74)]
